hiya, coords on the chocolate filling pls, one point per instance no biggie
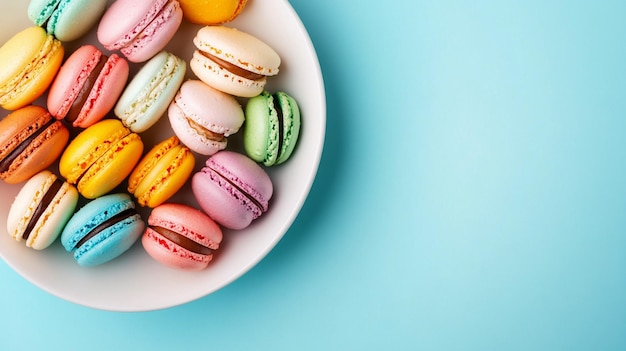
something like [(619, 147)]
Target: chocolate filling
[(233, 68), (5, 164), (106, 224), (83, 94), (41, 208), (281, 124), (183, 241)]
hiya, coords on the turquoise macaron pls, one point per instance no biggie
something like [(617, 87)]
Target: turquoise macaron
[(271, 127), (102, 230), (67, 20)]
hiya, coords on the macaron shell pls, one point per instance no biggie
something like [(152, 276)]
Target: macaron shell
[(100, 157), (88, 146), (73, 77), (188, 222), (124, 19), (51, 221), (238, 48), (225, 195), (221, 79), (112, 168), (161, 172), (146, 98), (39, 11), (111, 242), (262, 131), (152, 23), (211, 12), (198, 107), (291, 125), (40, 153), (74, 18), (28, 63), (157, 35), (105, 93), (223, 205)]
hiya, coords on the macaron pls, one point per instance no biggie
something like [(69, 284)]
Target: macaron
[(272, 127), (87, 86), (28, 63), (67, 20), (139, 29), (232, 189), (102, 230), (100, 157), (211, 12), (41, 209), (203, 117), (30, 141), (181, 237), (233, 61), (146, 98), (161, 172)]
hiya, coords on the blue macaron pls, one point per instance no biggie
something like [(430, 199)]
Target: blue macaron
[(103, 229), (67, 20)]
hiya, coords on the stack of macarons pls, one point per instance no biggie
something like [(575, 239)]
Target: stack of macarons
[(87, 174)]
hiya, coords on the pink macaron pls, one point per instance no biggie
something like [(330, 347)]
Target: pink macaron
[(232, 189), (181, 237), (139, 29), (87, 86), (203, 117)]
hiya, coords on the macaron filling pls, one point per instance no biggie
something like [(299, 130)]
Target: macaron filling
[(119, 217), (83, 95), (5, 164), (42, 206), (183, 241), (234, 69), (281, 123)]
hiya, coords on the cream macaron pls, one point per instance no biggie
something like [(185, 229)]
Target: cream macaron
[(233, 61)]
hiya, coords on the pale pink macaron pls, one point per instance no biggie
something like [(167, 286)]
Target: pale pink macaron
[(232, 189), (139, 29), (203, 117), (181, 236), (87, 86)]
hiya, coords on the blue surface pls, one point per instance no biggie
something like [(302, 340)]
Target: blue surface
[(472, 196)]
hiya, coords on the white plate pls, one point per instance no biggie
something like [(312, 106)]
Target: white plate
[(135, 282)]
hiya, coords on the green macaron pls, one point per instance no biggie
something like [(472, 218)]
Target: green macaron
[(271, 128)]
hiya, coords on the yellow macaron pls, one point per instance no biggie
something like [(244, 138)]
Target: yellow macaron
[(100, 157), (29, 62), (161, 172)]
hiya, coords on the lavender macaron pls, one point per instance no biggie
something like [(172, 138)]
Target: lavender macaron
[(232, 189)]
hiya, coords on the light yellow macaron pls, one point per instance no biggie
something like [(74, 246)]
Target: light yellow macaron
[(29, 62)]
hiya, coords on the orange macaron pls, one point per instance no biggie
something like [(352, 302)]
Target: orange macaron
[(211, 12)]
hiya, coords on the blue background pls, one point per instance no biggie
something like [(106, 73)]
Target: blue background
[(471, 196)]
